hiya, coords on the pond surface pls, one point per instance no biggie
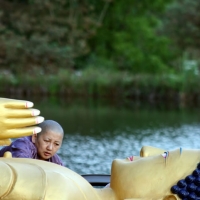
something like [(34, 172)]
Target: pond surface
[(98, 132)]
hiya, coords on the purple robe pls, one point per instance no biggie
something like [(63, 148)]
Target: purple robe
[(24, 148)]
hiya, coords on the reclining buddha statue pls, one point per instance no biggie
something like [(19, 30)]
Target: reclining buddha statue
[(156, 174)]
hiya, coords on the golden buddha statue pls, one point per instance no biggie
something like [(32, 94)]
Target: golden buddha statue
[(155, 175)]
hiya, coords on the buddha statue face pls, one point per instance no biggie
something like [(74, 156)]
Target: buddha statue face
[(152, 177)]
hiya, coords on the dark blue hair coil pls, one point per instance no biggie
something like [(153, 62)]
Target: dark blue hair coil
[(188, 188)]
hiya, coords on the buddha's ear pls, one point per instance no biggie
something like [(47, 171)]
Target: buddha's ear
[(170, 197)]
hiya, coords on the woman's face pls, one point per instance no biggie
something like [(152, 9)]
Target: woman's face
[(47, 144)]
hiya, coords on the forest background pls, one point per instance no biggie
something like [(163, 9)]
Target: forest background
[(107, 48)]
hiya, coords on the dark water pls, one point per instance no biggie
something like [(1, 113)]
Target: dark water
[(98, 132)]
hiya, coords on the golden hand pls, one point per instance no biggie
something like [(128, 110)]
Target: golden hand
[(17, 119)]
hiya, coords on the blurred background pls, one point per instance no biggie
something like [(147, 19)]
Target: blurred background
[(115, 74)]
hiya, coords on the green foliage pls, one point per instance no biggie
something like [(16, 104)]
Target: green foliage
[(181, 23), (127, 38), (104, 83), (44, 35)]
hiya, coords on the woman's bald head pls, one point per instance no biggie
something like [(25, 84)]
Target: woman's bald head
[(50, 125)]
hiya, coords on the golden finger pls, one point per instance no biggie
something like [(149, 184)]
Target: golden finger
[(21, 132), (20, 113), (22, 122), (18, 104)]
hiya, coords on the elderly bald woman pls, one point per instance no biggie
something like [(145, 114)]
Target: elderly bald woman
[(42, 146)]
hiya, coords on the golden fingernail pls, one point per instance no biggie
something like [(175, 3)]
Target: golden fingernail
[(35, 112), (39, 120), (28, 104), (37, 130)]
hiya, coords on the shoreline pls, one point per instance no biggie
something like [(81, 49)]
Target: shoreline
[(180, 88)]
